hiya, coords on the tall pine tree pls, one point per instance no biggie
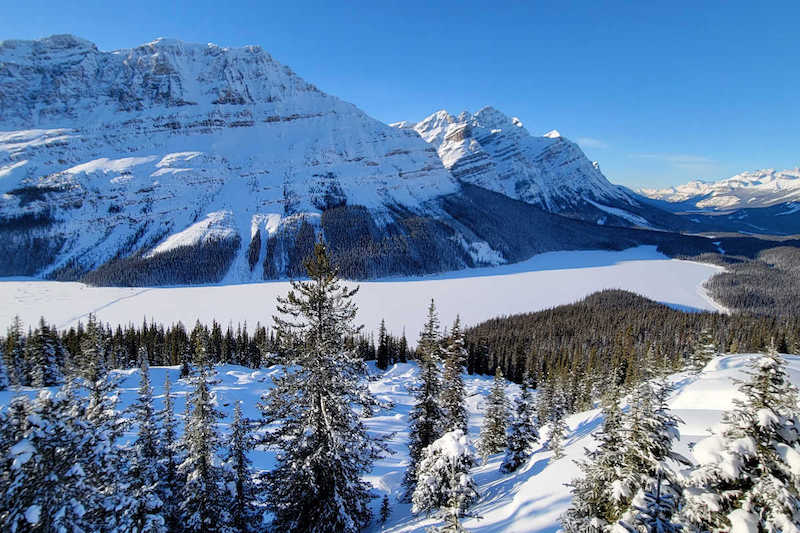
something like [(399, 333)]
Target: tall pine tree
[(495, 425), (452, 395), (426, 415), (239, 473), (382, 354), (594, 503), (171, 486), (143, 508), (309, 415), (204, 507), (523, 434)]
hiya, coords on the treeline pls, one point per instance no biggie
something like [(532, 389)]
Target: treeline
[(613, 329), (40, 356)]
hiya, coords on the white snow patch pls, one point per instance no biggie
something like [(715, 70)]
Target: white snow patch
[(110, 165), (218, 224)]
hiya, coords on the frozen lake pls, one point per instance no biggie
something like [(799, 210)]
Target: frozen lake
[(541, 282)]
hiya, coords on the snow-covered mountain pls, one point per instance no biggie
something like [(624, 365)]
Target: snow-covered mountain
[(496, 152), (175, 163), (172, 144), (759, 188)]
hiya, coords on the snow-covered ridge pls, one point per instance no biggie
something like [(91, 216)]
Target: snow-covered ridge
[(496, 152), (758, 188)]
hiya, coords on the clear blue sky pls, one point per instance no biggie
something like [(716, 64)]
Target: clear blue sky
[(658, 92)]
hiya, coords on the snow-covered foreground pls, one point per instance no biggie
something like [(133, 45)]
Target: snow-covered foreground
[(531, 499), (543, 281)]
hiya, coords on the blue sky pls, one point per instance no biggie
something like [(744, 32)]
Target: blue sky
[(658, 92)]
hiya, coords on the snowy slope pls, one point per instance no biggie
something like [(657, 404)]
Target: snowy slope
[(494, 151), (123, 151), (759, 188), (544, 281), (531, 499)]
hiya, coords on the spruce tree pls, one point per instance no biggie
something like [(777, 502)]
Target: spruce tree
[(558, 423), (704, 351), (60, 464), (426, 415), (523, 434), (650, 432), (495, 424), (309, 415), (143, 510), (239, 473), (444, 485), (594, 502), (452, 395), (4, 381), (15, 353), (45, 354), (652, 511), (749, 472), (386, 510), (171, 486), (382, 354), (203, 505)]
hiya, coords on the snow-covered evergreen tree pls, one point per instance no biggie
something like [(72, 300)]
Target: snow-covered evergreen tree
[(15, 354), (382, 353), (386, 510), (426, 415), (310, 414), (239, 474), (493, 437), (444, 485), (704, 351), (45, 348), (143, 508), (650, 432), (4, 381), (594, 503), (750, 473), (452, 395), (58, 476), (652, 511), (558, 424), (203, 503), (171, 485), (523, 434)]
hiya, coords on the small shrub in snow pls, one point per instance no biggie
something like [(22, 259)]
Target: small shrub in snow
[(444, 485)]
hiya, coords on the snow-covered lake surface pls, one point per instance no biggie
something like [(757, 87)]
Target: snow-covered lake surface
[(541, 282), (529, 500)]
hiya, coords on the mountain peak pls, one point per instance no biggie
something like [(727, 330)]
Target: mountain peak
[(494, 151)]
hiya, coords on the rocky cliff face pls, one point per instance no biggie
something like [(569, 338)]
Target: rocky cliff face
[(494, 151)]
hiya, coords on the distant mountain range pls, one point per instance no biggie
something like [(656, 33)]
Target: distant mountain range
[(174, 163), (759, 188)]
